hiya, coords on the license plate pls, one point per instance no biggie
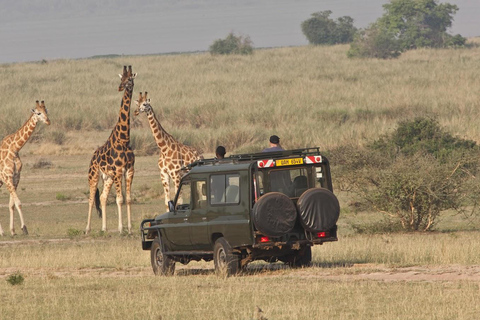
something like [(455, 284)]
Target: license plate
[(288, 162)]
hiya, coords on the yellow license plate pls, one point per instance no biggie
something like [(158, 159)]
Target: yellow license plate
[(288, 162)]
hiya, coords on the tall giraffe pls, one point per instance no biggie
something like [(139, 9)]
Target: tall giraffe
[(173, 154), (114, 160), (11, 165)]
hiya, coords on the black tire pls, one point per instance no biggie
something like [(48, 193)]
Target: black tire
[(301, 258), (274, 214), (226, 262), (162, 265), (318, 209)]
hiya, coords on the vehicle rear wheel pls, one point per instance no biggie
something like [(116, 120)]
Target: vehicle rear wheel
[(161, 263), (301, 258), (227, 263)]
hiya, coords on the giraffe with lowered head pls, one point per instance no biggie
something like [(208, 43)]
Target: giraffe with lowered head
[(173, 154), (114, 160), (10, 164)]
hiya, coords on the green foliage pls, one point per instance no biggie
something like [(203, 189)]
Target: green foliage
[(232, 44), (374, 42), (409, 24), (423, 135), (321, 29), (72, 232), (413, 174), (62, 197), (15, 279)]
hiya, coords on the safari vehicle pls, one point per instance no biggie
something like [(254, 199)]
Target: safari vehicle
[(271, 206)]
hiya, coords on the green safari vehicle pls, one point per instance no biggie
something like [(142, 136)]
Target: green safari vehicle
[(271, 206)]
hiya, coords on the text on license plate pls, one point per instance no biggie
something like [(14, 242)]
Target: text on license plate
[(288, 162)]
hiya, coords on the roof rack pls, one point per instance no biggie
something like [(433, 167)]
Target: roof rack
[(256, 156)]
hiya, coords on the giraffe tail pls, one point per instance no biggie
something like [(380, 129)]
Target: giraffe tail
[(97, 203)]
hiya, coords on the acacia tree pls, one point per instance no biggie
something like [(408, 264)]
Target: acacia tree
[(408, 24), (321, 29), (412, 174)]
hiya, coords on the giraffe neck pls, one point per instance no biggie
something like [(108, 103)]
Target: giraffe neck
[(162, 137), (121, 132), (23, 134)]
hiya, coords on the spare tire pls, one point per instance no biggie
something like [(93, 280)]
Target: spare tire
[(318, 209), (274, 214)]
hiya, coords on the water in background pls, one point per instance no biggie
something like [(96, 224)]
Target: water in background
[(51, 29)]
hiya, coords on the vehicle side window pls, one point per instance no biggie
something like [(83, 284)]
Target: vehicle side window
[(200, 195), (225, 189), (184, 196)]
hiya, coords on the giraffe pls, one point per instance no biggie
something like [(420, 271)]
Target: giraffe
[(173, 154), (11, 165), (114, 160)]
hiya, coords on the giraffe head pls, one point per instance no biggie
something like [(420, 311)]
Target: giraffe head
[(40, 113), (127, 77), (143, 104)]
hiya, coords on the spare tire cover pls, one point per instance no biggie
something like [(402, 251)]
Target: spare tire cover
[(274, 214), (318, 209)]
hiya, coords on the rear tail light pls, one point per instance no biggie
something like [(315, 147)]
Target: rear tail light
[(322, 235), (264, 239)]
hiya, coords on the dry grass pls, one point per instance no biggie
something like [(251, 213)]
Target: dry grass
[(307, 95), (72, 276)]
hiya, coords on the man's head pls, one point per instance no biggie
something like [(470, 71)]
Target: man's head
[(220, 152), (274, 140)]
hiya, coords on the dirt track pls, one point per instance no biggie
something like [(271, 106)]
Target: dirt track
[(352, 273)]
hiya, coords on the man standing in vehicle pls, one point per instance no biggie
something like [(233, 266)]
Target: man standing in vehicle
[(274, 145)]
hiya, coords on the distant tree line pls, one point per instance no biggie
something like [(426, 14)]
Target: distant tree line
[(405, 25)]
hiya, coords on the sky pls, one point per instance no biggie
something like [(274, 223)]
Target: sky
[(32, 30)]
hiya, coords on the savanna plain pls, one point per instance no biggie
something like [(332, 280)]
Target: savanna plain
[(309, 96)]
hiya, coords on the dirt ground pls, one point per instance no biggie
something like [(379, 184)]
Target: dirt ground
[(376, 272)]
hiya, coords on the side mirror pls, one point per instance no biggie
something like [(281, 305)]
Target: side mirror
[(171, 207)]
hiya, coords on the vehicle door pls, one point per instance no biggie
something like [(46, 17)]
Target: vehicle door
[(198, 219), (178, 226)]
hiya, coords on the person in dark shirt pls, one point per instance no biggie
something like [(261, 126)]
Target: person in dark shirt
[(274, 144), (220, 152)]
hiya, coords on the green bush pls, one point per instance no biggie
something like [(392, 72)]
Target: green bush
[(321, 29), (406, 25), (232, 45), (374, 43), (412, 174), (426, 136), (15, 279)]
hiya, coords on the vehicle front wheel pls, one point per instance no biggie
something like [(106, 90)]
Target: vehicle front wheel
[(227, 263), (161, 263)]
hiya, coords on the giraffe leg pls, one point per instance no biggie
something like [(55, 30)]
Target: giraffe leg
[(93, 182), (107, 185), (166, 184), (1, 229), (118, 187), (128, 189), (15, 203)]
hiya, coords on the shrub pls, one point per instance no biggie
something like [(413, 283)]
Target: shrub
[(15, 279), (321, 29), (405, 25), (423, 135), (232, 45), (374, 43), (412, 174)]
